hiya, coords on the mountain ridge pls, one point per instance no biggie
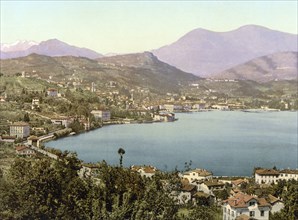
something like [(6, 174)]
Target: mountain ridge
[(155, 75), (205, 52), (52, 47), (277, 66)]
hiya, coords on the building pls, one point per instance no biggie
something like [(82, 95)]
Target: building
[(24, 151), (245, 205), (266, 176), (32, 140), (164, 117), (276, 203), (288, 174), (210, 186), (20, 129), (186, 192), (239, 182), (64, 121), (147, 171), (52, 92), (269, 176), (197, 174), (104, 115), (35, 103), (172, 108)]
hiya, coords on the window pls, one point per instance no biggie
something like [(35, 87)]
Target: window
[(262, 213), (251, 213), (225, 209), (251, 203), (232, 213)]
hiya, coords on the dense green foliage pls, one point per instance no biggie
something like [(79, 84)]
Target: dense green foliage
[(48, 189)]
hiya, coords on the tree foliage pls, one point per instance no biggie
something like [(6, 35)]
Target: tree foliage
[(50, 189)]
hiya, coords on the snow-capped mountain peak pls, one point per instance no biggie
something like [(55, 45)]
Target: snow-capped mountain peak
[(19, 45)]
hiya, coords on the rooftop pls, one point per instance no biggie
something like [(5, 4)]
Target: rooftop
[(288, 171), (240, 200), (20, 148), (200, 172), (145, 169), (267, 172), (20, 123)]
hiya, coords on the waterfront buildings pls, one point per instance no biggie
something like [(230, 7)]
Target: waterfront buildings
[(104, 115), (64, 121), (164, 117)]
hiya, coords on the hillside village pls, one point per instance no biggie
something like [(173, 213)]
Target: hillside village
[(48, 108), (45, 110)]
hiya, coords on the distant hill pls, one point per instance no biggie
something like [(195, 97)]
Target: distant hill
[(204, 52), (138, 70), (278, 66), (51, 47)]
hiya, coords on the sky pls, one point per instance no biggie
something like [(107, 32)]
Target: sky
[(135, 26)]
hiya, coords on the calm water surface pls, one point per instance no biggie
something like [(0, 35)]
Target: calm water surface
[(226, 143)]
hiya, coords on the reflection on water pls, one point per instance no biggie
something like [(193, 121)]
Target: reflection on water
[(227, 143)]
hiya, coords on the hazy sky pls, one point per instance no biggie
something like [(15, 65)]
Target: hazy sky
[(134, 26)]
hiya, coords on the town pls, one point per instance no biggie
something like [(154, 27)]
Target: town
[(45, 110)]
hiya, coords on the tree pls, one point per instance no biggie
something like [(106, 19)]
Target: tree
[(121, 152), (26, 117)]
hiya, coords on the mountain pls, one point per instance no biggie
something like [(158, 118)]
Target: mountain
[(204, 52), (129, 71), (17, 46), (52, 47), (277, 66)]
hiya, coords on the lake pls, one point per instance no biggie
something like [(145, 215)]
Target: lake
[(228, 143)]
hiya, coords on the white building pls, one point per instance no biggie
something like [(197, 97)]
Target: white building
[(269, 176), (276, 203), (266, 176), (288, 174), (35, 103), (104, 115), (24, 151), (146, 171), (197, 174), (164, 117), (64, 121), (245, 205), (210, 186), (20, 129)]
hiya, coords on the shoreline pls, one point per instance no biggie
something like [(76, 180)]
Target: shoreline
[(80, 148)]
